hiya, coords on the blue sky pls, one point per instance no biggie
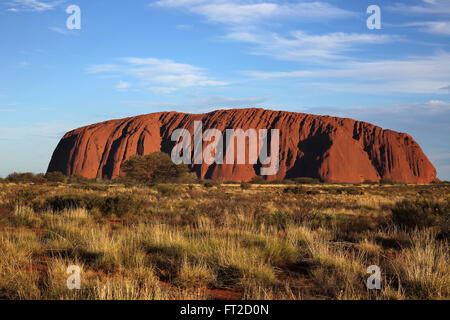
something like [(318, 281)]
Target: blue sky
[(143, 56)]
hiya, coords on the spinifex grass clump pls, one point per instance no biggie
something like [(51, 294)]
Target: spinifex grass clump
[(119, 204)]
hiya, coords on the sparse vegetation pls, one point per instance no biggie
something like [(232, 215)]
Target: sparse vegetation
[(222, 241)]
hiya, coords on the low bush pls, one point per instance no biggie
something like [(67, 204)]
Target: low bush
[(25, 196), (369, 182), (121, 205), (277, 219), (354, 191), (55, 177), (345, 190), (258, 180), (78, 179), (306, 180), (168, 190), (210, 183), (60, 203), (422, 213), (26, 177), (118, 205), (295, 190), (245, 185), (387, 181)]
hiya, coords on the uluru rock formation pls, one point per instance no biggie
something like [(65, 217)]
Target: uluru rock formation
[(329, 148)]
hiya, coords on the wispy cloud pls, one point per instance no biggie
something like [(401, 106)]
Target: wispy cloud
[(201, 104), (122, 85), (427, 7), (158, 75), (63, 31), (300, 46), (32, 5), (427, 74), (435, 27), (239, 12), (254, 21), (50, 130), (414, 112), (223, 102)]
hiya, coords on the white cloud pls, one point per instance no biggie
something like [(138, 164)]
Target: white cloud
[(436, 27), (427, 7), (250, 21), (247, 12), (59, 30), (159, 75), (223, 102), (103, 68), (413, 112), (122, 85), (428, 74), (201, 104), (51, 130), (32, 5), (303, 46), (149, 104), (162, 90)]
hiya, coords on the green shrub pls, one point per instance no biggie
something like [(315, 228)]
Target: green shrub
[(245, 186), (60, 203), (93, 187), (168, 190), (277, 219), (344, 190), (26, 196), (285, 181), (354, 191), (305, 180), (387, 181), (26, 177), (258, 180), (55, 177), (119, 205), (78, 179), (422, 213), (153, 168), (295, 190), (210, 183)]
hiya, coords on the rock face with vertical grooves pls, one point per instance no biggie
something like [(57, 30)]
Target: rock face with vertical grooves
[(332, 149)]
